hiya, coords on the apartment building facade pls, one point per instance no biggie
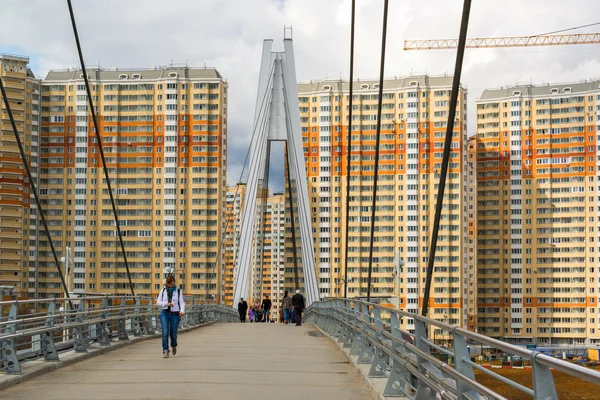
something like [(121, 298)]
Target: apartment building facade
[(164, 135), (538, 213), (18, 210), (413, 127), (471, 247)]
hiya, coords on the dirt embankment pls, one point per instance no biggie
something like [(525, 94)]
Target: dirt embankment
[(568, 387)]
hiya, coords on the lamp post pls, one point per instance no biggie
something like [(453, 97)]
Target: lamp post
[(66, 260), (398, 264)]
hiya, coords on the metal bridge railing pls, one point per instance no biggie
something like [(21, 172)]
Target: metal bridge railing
[(372, 332), (27, 334)]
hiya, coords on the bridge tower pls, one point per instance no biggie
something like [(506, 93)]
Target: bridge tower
[(277, 118)]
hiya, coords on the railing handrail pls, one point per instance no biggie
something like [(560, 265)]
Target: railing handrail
[(365, 319), (32, 335)]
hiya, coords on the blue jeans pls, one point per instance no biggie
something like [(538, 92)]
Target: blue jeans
[(169, 323), (287, 315)]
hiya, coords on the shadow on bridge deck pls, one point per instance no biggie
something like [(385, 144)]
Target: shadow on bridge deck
[(220, 361)]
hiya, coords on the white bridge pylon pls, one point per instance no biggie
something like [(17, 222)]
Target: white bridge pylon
[(276, 118)]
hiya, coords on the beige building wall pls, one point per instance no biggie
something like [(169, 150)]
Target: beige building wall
[(414, 118), (18, 211), (164, 133), (471, 247), (538, 210)]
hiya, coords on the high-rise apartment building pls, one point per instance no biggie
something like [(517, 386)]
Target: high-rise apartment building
[(538, 213), (164, 134), (18, 211), (413, 127), (471, 246)]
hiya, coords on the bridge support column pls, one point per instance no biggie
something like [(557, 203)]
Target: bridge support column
[(8, 354), (47, 338)]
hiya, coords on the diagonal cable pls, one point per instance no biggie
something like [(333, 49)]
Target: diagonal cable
[(349, 151), (266, 99), (377, 140), (99, 139), (34, 190), (449, 131)]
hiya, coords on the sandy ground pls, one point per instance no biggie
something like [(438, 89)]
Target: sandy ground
[(568, 387)]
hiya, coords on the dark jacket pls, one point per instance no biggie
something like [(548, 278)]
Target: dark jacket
[(243, 307), (298, 301), (266, 304), (286, 304)]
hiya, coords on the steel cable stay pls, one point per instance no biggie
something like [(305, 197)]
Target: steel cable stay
[(260, 125), (266, 99), (446, 157), (251, 192), (261, 130), (265, 197), (349, 151), (377, 141), (34, 190), (299, 199), (100, 147)]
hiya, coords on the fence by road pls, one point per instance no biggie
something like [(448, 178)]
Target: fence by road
[(372, 332)]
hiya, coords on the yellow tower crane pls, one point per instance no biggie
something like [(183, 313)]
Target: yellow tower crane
[(514, 41)]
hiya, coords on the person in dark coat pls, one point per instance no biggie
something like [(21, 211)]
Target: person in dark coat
[(299, 304), (266, 307), (242, 309)]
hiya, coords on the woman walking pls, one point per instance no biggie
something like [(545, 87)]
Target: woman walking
[(172, 303)]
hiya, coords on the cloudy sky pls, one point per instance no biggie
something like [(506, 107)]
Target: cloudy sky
[(228, 34)]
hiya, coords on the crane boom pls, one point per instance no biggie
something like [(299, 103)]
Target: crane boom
[(515, 41)]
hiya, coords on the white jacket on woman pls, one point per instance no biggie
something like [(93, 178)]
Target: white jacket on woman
[(178, 300)]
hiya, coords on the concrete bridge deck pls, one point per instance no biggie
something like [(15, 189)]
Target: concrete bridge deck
[(219, 361)]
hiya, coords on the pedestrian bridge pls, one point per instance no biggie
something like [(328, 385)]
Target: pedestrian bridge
[(108, 348)]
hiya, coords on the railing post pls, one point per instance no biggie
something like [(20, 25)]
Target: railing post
[(461, 353), (399, 375), (135, 320), (356, 339), (338, 327), (80, 341), (423, 391), (348, 331), (150, 320), (8, 354), (365, 355), (544, 387), (101, 330), (121, 322), (381, 360), (47, 338)]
